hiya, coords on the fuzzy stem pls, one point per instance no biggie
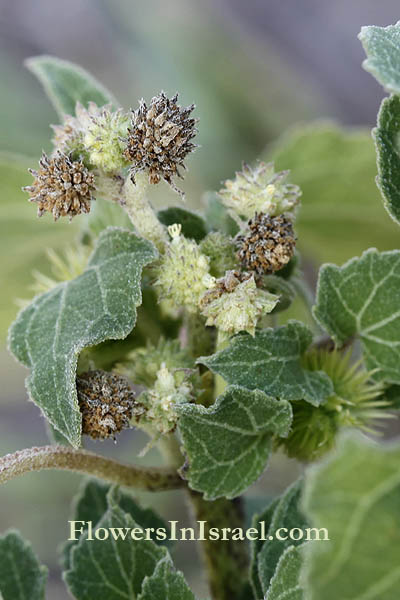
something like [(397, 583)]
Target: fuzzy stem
[(141, 212), (227, 562), (220, 383), (62, 457)]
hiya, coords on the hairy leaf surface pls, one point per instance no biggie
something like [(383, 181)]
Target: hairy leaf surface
[(228, 444), (112, 568), (386, 136), (91, 503), (100, 304), (271, 361), (166, 583), (355, 494), (362, 298), (21, 575), (66, 83), (285, 584), (256, 545), (287, 514), (382, 47)]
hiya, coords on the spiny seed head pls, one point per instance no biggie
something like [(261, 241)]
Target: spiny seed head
[(102, 140), (61, 186), (235, 303), (267, 245), (106, 402), (260, 189), (159, 139), (356, 401)]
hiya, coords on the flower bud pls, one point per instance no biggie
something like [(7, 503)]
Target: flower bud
[(235, 303), (183, 273), (143, 364), (102, 139), (171, 388), (260, 190)]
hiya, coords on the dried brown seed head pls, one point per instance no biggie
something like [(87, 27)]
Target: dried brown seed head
[(61, 186), (159, 139), (268, 245), (106, 402), (225, 285)]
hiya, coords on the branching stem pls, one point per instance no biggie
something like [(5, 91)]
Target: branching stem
[(62, 457)]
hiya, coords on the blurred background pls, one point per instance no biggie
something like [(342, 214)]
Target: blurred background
[(279, 80)]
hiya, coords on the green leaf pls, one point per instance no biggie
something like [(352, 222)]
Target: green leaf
[(287, 514), (382, 47), (100, 304), (228, 444), (355, 495), (91, 504), (271, 361), (386, 136), (21, 575), (285, 584), (112, 568), (362, 298), (66, 83), (166, 583), (193, 226), (256, 545), (341, 213)]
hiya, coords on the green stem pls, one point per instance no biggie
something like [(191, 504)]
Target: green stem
[(141, 212), (227, 562), (81, 461), (220, 383)]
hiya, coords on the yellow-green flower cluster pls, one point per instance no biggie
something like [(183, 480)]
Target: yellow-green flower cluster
[(260, 190), (143, 364), (238, 309), (183, 272), (171, 388), (102, 140), (95, 134)]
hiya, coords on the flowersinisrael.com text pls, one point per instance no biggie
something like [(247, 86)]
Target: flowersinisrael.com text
[(201, 533)]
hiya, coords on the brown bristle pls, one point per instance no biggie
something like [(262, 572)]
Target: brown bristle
[(61, 186), (106, 401), (159, 139)]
